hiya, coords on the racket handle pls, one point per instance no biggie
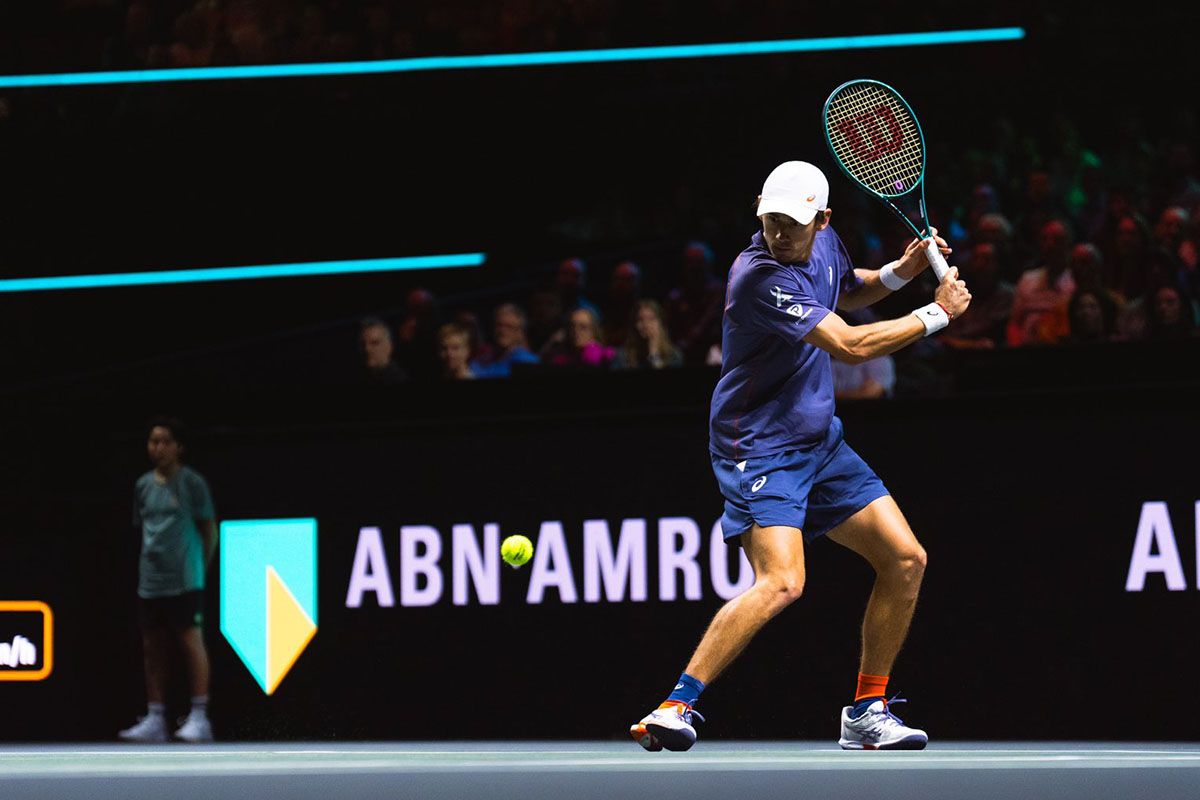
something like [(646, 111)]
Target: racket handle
[(940, 267)]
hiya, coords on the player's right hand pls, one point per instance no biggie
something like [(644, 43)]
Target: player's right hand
[(952, 294)]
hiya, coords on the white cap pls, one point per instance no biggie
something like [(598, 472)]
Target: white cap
[(795, 188)]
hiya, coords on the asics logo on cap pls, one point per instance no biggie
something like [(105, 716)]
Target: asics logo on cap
[(810, 198)]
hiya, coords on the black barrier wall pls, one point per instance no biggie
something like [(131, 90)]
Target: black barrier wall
[(1031, 506)]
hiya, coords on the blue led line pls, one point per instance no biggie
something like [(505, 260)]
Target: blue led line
[(514, 59), (241, 273)]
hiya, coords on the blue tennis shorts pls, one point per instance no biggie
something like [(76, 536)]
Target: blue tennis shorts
[(813, 489)]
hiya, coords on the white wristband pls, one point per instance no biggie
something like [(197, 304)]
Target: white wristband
[(889, 278), (933, 317)]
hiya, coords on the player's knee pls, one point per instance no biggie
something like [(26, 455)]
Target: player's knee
[(785, 589), (910, 567)]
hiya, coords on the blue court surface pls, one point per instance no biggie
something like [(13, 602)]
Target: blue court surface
[(500, 770)]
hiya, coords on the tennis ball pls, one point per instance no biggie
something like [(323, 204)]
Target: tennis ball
[(516, 550)]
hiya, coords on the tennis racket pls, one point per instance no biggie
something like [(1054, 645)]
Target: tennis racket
[(876, 140)]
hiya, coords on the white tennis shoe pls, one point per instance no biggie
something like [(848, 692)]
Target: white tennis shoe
[(196, 728), (150, 728), (669, 726), (879, 729)]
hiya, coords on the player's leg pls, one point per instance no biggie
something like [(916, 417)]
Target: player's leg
[(880, 534), (196, 728), (777, 555), (155, 650)]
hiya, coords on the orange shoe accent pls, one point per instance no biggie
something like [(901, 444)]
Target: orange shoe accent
[(871, 686), (644, 737), (682, 706)]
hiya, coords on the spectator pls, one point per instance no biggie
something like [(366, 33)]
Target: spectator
[(624, 291), (454, 351), (981, 327), (581, 345), (417, 335), (694, 308), (1169, 316), (1092, 316), (1087, 268), (995, 229), (1126, 264), (545, 318), (570, 284), (173, 507), (480, 351), (649, 346), (375, 338), (511, 346), (1039, 314), (1131, 322)]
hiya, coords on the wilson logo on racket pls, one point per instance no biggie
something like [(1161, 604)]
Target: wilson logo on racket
[(876, 143)]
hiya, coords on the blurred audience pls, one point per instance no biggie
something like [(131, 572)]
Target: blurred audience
[(454, 352), (649, 346), (1039, 314), (417, 335), (982, 326), (512, 347), (375, 338), (580, 345), (693, 309), (624, 292)]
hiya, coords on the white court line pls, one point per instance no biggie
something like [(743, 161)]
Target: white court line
[(133, 752), (689, 763)]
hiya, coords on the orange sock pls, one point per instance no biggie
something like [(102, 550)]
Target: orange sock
[(870, 686)]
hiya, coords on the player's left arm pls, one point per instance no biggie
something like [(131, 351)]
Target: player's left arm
[(876, 284)]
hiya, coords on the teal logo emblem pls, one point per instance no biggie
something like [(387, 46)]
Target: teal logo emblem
[(269, 593)]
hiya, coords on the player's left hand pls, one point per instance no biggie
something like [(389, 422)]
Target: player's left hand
[(914, 261)]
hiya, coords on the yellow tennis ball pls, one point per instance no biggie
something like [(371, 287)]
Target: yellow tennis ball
[(516, 550)]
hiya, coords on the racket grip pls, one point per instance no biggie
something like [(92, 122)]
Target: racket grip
[(940, 267)]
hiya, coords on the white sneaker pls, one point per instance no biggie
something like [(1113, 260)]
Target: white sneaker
[(669, 726), (196, 728), (879, 729), (150, 728)]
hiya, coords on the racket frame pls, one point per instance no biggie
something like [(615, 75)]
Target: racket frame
[(936, 260)]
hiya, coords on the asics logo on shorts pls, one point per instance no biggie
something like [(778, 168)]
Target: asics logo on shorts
[(758, 484)]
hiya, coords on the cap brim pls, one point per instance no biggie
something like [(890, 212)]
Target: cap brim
[(802, 214)]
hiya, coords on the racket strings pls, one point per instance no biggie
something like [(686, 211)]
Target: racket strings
[(851, 114)]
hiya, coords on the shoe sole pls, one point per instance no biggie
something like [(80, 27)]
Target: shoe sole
[(674, 740), (911, 743), (644, 738)]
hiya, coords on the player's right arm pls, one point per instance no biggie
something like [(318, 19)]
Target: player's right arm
[(855, 344)]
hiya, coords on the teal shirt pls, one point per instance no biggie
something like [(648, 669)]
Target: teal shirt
[(172, 560)]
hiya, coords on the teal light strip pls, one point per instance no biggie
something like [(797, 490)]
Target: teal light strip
[(241, 273), (515, 59)]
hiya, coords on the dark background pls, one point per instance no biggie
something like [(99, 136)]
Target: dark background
[(1025, 484)]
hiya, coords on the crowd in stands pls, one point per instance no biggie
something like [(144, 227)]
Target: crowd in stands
[(1059, 244)]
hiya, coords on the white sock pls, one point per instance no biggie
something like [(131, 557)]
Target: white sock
[(200, 705), (155, 709)]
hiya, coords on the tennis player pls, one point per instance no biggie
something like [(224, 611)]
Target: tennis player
[(779, 455)]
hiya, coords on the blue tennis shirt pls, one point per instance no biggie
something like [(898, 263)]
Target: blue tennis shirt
[(776, 390)]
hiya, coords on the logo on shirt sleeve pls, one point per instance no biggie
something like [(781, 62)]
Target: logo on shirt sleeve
[(780, 296), (799, 311)]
